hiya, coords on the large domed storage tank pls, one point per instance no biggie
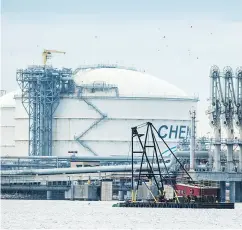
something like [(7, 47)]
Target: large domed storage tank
[(7, 126), (97, 118)]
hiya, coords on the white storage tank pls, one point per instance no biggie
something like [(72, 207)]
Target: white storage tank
[(7, 115), (97, 118)]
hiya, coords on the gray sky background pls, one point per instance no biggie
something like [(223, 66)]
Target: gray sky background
[(131, 33)]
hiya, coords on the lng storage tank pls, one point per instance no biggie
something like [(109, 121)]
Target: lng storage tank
[(93, 112)]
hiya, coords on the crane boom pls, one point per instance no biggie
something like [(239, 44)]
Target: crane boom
[(47, 54)]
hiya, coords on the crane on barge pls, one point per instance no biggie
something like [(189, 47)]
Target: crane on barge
[(151, 170)]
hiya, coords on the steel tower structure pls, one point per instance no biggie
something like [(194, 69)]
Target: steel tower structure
[(41, 88), (229, 103), (215, 113), (239, 112)]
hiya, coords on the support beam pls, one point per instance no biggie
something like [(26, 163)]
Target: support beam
[(222, 191), (121, 195), (240, 153), (121, 191), (72, 191), (232, 191), (49, 195), (238, 191)]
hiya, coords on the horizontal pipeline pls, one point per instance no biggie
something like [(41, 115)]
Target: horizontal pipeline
[(96, 169), (198, 154)]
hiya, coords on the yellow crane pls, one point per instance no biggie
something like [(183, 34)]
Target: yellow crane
[(47, 54)]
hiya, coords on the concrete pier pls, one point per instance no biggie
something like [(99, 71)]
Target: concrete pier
[(222, 191), (238, 191), (121, 191), (129, 195), (121, 195), (49, 195), (232, 191), (72, 191)]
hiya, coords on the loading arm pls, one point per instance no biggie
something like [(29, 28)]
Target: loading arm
[(238, 115)]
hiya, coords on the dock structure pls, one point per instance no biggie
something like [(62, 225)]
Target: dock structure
[(175, 205)]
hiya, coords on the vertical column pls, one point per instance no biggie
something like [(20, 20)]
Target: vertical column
[(132, 177), (229, 154), (217, 149), (222, 191), (240, 149), (72, 190), (238, 191), (240, 159), (49, 195), (232, 191), (129, 195), (121, 191), (192, 141)]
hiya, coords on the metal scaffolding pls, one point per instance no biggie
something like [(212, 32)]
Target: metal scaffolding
[(41, 88)]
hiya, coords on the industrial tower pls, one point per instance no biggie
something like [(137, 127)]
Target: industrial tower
[(41, 89)]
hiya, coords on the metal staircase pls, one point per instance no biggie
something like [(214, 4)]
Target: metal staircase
[(94, 124)]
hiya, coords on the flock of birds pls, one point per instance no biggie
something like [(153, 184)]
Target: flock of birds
[(189, 50), (164, 37)]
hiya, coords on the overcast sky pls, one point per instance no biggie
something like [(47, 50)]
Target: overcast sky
[(175, 40)]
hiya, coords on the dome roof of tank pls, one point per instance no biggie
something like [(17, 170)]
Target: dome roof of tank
[(8, 99), (129, 82)]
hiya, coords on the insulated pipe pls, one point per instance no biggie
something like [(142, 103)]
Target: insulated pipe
[(199, 154), (118, 168)]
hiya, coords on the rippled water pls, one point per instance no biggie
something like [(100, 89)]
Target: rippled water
[(33, 214)]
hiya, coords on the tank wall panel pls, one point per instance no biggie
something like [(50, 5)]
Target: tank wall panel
[(75, 108), (21, 148), (61, 148), (7, 151), (7, 116), (145, 109), (22, 129), (7, 136), (20, 110), (121, 129), (112, 129), (66, 129), (102, 148), (112, 135)]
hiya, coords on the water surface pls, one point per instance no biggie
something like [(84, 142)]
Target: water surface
[(43, 214)]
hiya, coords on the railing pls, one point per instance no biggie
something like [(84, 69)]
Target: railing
[(225, 141), (99, 66)]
